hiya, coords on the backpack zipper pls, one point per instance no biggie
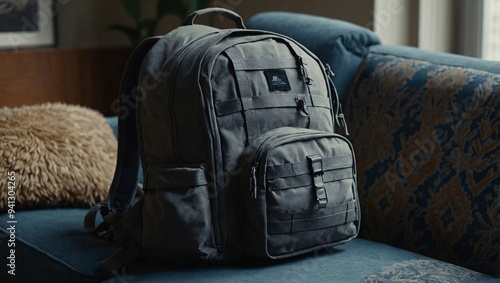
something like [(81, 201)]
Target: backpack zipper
[(253, 181), (175, 143), (338, 114), (171, 87)]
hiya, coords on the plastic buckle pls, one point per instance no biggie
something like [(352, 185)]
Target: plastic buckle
[(316, 164)]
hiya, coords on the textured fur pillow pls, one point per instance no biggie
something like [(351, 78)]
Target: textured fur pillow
[(61, 155)]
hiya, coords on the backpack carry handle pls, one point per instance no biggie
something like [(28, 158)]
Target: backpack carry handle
[(221, 11)]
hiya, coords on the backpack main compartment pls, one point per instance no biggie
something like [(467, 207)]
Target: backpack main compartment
[(205, 95)]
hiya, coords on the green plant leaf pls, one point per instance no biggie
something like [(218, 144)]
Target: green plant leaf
[(133, 8), (176, 7)]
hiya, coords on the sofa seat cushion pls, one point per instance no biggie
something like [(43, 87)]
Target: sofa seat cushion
[(52, 246), (425, 133)]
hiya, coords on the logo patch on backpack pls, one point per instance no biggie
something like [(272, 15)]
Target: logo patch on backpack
[(277, 80)]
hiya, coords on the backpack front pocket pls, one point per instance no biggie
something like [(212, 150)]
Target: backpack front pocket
[(176, 216), (299, 192)]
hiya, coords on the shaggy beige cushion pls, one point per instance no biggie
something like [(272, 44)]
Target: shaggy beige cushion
[(62, 156)]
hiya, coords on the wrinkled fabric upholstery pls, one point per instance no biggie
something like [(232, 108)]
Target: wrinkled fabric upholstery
[(426, 139)]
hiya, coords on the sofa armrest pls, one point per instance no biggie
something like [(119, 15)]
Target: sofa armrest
[(340, 44), (425, 129)]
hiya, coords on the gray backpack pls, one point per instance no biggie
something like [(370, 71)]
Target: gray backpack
[(235, 132)]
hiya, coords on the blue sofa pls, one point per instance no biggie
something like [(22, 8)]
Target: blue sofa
[(425, 129)]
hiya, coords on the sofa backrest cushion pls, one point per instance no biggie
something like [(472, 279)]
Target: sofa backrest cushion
[(425, 132)]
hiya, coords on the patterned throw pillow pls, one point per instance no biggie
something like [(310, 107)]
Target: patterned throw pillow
[(426, 138), (54, 155)]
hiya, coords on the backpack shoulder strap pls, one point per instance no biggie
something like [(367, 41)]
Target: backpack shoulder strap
[(124, 186)]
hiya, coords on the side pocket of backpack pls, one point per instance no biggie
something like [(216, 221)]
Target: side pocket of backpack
[(177, 217)]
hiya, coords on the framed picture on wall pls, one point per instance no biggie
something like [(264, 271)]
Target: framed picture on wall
[(26, 23)]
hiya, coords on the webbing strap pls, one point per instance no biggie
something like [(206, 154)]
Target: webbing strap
[(175, 177), (123, 188), (306, 180), (111, 221), (316, 164), (89, 222), (324, 218), (252, 125), (300, 168), (241, 65), (310, 84), (265, 64), (268, 101), (124, 185)]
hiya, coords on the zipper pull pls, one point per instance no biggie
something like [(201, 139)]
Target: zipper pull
[(305, 76), (341, 118), (337, 107), (329, 71), (302, 105), (253, 181)]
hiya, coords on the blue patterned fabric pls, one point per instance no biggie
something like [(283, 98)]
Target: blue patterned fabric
[(419, 270), (426, 139)]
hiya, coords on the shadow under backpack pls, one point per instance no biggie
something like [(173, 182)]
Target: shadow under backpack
[(235, 132)]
